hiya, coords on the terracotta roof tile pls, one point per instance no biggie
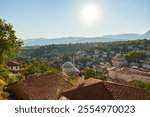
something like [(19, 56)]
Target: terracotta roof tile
[(99, 90), (44, 87), (13, 63)]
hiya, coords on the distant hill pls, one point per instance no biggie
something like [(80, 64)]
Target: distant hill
[(123, 36), (46, 41), (146, 35), (67, 40)]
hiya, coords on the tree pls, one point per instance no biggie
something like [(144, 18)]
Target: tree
[(133, 56), (89, 73), (139, 84), (100, 75), (84, 60), (3, 72), (36, 67), (3, 95), (9, 43)]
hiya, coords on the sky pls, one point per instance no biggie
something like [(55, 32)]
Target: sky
[(62, 18)]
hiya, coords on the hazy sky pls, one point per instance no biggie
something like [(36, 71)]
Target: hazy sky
[(61, 18)]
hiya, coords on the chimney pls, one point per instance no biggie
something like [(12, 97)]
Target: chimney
[(82, 79)]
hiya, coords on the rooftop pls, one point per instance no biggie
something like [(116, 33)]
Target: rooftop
[(99, 90), (13, 63), (130, 71), (68, 64), (46, 87), (119, 57)]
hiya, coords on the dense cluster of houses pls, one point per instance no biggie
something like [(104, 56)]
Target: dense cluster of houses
[(129, 74)]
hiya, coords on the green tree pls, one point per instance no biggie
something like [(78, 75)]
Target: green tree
[(72, 79), (84, 60), (36, 67), (9, 43), (3, 72), (101, 76), (3, 95), (89, 73), (133, 56), (139, 84)]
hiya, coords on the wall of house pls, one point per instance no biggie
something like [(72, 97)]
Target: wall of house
[(146, 66), (145, 79), (129, 77), (119, 63), (69, 70), (112, 74), (126, 77), (14, 68)]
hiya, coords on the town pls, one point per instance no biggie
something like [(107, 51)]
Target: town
[(87, 71)]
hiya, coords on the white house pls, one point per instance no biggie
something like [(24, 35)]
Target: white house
[(13, 66), (146, 65)]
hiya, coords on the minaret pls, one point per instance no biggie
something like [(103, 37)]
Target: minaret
[(73, 60), (120, 52)]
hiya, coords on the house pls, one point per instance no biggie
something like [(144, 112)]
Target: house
[(129, 74), (69, 68), (104, 54), (146, 64), (146, 52), (134, 65), (93, 89), (130, 46), (112, 52), (46, 87), (119, 61), (13, 66), (81, 54)]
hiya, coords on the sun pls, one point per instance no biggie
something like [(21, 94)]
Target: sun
[(90, 13)]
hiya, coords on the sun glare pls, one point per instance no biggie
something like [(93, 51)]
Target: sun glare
[(90, 13)]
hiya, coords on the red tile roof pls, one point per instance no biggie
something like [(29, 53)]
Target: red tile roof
[(13, 63), (99, 90), (118, 81), (44, 87)]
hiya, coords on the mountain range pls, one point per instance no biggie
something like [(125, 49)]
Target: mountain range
[(67, 40)]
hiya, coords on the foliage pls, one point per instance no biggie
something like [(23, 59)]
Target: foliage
[(139, 41), (101, 76), (139, 84), (14, 78), (4, 95), (3, 72), (36, 67), (2, 82), (84, 60), (89, 73), (65, 52), (9, 43), (133, 56), (72, 79)]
